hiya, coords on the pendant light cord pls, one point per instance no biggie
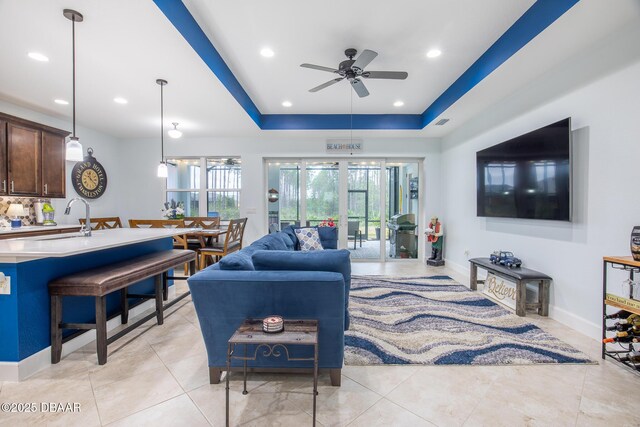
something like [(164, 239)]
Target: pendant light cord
[(162, 123), (73, 55)]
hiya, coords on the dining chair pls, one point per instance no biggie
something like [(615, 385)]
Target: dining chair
[(204, 222), (232, 242), (104, 223), (179, 241)]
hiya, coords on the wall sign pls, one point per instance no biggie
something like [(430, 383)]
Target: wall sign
[(345, 146), (503, 291), (88, 177)]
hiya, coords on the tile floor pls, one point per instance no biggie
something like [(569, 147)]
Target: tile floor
[(158, 376)]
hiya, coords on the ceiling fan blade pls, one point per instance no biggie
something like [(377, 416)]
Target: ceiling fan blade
[(396, 75), (319, 67), (364, 59), (359, 87), (324, 85)]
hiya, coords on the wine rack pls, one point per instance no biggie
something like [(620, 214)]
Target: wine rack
[(619, 351)]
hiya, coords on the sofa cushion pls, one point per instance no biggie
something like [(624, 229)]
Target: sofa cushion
[(291, 233), (285, 239), (309, 239), (271, 242), (328, 237), (237, 261), (330, 260)]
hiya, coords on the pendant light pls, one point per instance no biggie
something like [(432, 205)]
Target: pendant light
[(74, 148), (174, 133), (163, 172)]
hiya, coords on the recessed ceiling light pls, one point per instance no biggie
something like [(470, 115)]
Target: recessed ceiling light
[(398, 104), (120, 100), (61, 101), (434, 53), (286, 104), (267, 52), (38, 57)]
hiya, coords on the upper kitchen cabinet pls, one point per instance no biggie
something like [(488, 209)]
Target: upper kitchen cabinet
[(3, 158), (53, 165), (32, 158)]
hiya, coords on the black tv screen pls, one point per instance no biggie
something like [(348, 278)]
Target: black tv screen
[(528, 176)]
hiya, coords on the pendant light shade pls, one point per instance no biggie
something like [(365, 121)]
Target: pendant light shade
[(162, 167), (174, 133), (74, 148), (163, 171)]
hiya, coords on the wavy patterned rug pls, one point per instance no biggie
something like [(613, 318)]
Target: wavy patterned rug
[(437, 321)]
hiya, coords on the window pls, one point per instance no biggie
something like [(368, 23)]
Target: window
[(217, 181)]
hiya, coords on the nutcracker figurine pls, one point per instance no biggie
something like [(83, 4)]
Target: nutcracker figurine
[(435, 236)]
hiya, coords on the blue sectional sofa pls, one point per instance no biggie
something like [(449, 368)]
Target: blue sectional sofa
[(271, 277)]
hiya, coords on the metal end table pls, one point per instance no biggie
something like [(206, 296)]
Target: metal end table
[(296, 332)]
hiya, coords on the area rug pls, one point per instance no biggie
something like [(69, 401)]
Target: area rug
[(437, 321)]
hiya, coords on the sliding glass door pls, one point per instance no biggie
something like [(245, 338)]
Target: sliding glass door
[(374, 203)]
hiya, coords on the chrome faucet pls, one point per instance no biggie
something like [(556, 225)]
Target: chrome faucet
[(86, 228)]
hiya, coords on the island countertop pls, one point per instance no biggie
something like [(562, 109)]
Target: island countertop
[(7, 231), (63, 245)]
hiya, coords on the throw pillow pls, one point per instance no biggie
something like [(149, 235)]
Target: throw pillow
[(309, 239)]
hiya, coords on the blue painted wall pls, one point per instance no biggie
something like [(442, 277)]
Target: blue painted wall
[(25, 314)]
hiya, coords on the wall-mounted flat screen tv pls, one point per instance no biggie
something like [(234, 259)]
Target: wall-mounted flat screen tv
[(528, 176)]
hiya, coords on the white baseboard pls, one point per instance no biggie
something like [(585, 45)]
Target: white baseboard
[(20, 371), (561, 315)]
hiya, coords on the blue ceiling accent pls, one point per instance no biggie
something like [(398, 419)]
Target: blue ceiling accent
[(535, 20), (186, 25), (340, 121)]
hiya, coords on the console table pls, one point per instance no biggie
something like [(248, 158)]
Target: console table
[(250, 334), (521, 276)]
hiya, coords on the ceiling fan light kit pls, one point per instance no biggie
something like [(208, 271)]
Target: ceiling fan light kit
[(354, 71)]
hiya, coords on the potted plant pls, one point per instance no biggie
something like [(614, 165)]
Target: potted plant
[(173, 210)]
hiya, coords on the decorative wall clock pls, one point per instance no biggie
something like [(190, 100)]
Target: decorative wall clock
[(88, 177)]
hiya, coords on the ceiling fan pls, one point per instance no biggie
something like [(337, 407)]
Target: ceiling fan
[(353, 70)]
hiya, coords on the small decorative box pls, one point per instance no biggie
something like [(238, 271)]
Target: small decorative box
[(273, 324)]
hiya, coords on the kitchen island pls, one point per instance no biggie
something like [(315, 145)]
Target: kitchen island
[(29, 264)]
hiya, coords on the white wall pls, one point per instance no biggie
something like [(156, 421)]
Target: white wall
[(106, 151), (606, 129), (144, 195)]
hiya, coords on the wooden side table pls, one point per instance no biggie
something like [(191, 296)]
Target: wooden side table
[(521, 276), (296, 332)]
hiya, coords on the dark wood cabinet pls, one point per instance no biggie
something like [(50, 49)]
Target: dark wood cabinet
[(23, 149), (32, 158), (53, 165), (4, 188)]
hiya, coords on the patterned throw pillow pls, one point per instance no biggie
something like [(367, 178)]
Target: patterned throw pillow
[(309, 239)]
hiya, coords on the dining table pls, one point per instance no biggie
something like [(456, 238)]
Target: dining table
[(205, 235)]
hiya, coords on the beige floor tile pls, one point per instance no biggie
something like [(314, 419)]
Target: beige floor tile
[(49, 391), (606, 395), (122, 398), (385, 413), (381, 379), (445, 395), (244, 409), (543, 397), (191, 372), (176, 348), (337, 406), (124, 365), (177, 411)]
